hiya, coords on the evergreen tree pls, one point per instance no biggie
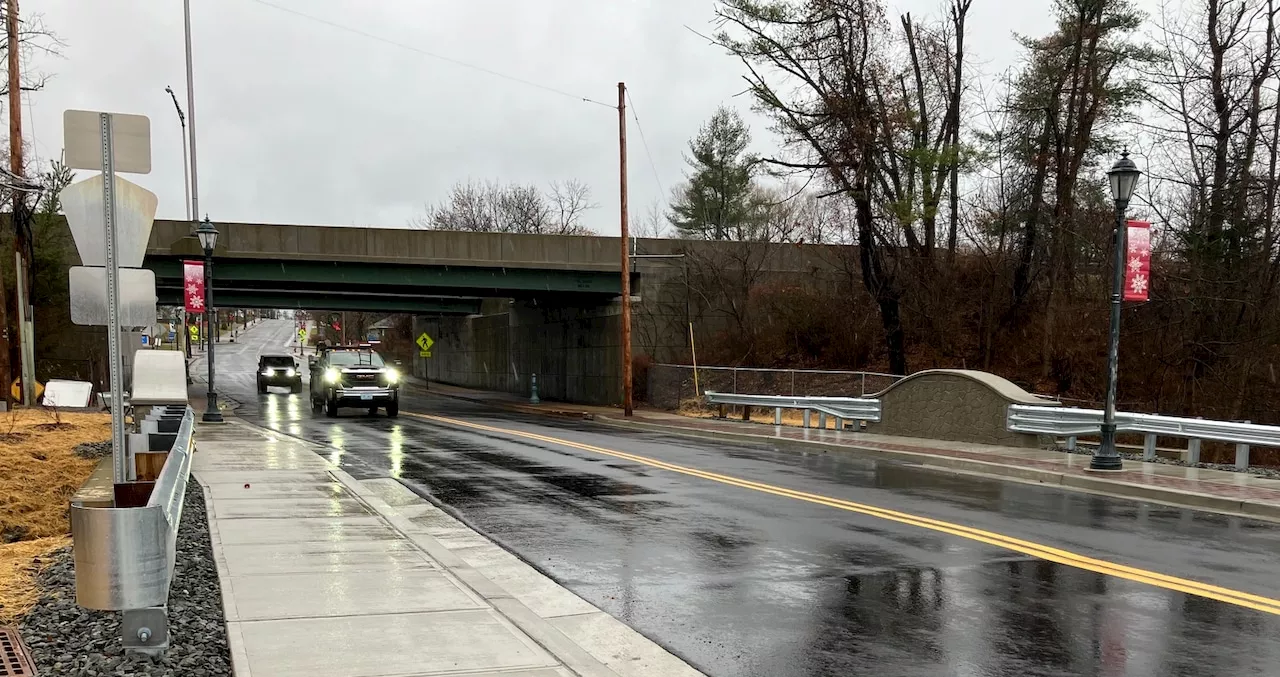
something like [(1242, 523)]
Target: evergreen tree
[(716, 203)]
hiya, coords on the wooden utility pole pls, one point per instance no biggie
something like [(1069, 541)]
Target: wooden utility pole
[(19, 202), (626, 252)]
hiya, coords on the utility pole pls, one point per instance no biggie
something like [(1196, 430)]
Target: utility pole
[(627, 409), (20, 216)]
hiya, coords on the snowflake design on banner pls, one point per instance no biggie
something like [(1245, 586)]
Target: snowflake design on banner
[(1135, 264), (1138, 284), (193, 290), (196, 302)]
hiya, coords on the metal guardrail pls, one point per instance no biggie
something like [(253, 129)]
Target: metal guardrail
[(842, 409), (1073, 423), (125, 556)]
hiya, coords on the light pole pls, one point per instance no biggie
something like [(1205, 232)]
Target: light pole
[(208, 240), (186, 187), (1124, 178)]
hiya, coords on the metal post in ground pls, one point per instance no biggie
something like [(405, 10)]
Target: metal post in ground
[(119, 454)]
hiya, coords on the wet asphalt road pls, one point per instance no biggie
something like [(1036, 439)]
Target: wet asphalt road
[(740, 582)]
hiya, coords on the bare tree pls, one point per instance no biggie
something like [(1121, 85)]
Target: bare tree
[(492, 207), (570, 200), (34, 38)]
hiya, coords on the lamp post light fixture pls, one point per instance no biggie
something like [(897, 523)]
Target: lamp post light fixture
[(208, 236), (1123, 177)]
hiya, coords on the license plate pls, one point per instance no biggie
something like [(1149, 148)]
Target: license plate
[(366, 397)]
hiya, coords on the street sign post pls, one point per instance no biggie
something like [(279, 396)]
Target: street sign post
[(424, 345), (110, 142)]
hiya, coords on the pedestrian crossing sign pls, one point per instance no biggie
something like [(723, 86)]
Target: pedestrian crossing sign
[(424, 345)]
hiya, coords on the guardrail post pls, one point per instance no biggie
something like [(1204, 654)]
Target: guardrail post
[(822, 420), (1193, 451), (839, 423), (1071, 443), (1149, 447), (806, 418), (1242, 457), (777, 416), (746, 412), (720, 411)]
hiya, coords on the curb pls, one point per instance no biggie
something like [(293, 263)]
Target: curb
[(1066, 480), (520, 408), (503, 602), (575, 657)]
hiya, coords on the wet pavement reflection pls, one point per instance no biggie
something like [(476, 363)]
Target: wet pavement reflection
[(744, 583)]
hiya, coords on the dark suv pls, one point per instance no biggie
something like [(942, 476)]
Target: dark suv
[(279, 370), (354, 377)]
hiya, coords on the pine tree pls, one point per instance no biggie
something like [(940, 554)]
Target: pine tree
[(716, 203)]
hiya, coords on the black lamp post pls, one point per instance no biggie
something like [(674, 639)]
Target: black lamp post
[(1124, 178), (208, 240)]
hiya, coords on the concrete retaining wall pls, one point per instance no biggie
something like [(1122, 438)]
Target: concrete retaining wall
[(575, 351), (954, 404)]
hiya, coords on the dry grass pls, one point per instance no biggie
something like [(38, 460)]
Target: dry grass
[(20, 563), (790, 417), (41, 473)]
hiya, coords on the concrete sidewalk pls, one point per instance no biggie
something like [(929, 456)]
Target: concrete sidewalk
[(1202, 488), (323, 575)]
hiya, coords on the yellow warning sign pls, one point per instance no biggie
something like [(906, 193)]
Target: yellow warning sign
[(424, 345)]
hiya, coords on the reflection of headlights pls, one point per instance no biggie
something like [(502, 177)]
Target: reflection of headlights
[(267, 372), (393, 376), (331, 375), (290, 372)]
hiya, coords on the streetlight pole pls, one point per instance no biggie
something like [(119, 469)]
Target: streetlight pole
[(186, 187), (208, 236), (1123, 178)]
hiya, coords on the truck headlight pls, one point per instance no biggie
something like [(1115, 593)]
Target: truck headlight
[(393, 376), (331, 375)]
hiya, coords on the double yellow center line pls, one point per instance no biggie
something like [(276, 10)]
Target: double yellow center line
[(1033, 549)]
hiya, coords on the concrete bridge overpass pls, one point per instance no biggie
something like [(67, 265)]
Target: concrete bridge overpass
[(380, 269), (501, 306)]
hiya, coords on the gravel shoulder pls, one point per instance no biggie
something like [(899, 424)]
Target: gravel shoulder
[(68, 640)]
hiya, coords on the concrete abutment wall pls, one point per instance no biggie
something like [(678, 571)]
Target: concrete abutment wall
[(574, 350)]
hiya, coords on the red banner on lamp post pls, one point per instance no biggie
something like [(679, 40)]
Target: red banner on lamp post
[(193, 286), (1137, 269)]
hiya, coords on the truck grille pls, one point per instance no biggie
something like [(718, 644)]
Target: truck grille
[(362, 379)]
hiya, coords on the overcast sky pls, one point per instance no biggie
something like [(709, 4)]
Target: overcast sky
[(302, 122)]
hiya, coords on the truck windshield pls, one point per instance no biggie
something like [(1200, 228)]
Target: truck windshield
[(355, 358)]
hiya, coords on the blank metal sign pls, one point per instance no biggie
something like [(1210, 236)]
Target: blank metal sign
[(130, 139), (89, 296)]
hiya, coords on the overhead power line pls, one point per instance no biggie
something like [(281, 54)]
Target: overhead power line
[(645, 143), (432, 55)]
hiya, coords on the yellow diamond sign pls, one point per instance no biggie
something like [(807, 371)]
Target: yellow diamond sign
[(424, 345)]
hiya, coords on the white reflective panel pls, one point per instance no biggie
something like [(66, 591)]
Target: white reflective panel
[(89, 296), (135, 212)]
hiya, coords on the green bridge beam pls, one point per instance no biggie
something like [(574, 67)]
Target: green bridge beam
[(410, 280), (279, 299)]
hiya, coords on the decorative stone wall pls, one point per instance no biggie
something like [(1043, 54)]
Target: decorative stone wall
[(954, 404)]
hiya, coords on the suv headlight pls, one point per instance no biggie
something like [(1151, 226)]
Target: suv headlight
[(393, 376), (267, 372), (290, 372), (331, 375)]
